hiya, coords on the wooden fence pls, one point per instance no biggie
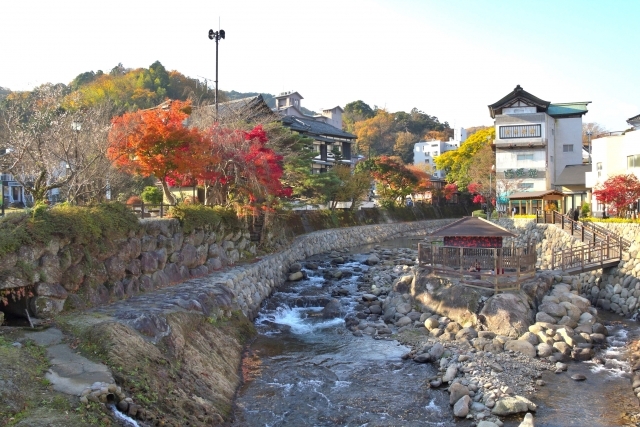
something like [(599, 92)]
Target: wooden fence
[(147, 210), (501, 269)]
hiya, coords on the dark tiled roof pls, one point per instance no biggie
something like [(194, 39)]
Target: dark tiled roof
[(518, 92), (472, 226), (312, 127), (635, 120), (250, 109), (573, 175)]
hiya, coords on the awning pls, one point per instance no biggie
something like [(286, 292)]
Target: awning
[(537, 195)]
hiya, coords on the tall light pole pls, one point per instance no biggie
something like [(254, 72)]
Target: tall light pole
[(493, 168), (589, 133), (216, 35)]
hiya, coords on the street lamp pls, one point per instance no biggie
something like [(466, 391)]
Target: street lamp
[(216, 35), (589, 133)]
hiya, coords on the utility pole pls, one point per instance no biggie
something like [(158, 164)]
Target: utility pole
[(216, 35)]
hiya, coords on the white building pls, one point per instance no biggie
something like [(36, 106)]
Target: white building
[(613, 155), (427, 151), (535, 141)]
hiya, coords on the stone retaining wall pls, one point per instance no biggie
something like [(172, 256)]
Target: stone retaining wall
[(615, 289), (252, 283), (65, 275)]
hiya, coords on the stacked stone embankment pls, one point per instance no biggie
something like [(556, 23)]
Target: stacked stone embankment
[(63, 275)]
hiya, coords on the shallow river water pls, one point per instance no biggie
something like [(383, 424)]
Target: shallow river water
[(306, 369)]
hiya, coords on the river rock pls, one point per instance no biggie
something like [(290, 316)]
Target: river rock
[(466, 333), (372, 260), (544, 350), (461, 407), (553, 309), (436, 351), (294, 277), (431, 323), (529, 337), (450, 374), (582, 354), (403, 321), (545, 318), (523, 347), (513, 405), (578, 377), (332, 309), (484, 423), (508, 314), (295, 267), (527, 421), (456, 391)]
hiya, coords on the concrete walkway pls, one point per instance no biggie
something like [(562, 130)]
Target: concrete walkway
[(70, 372)]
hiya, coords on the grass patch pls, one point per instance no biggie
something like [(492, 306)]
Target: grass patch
[(84, 225)]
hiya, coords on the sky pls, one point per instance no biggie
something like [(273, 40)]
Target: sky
[(449, 59)]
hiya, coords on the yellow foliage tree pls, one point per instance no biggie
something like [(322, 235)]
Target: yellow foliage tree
[(456, 162)]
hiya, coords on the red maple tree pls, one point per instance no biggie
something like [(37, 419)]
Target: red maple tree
[(235, 167), (155, 142), (619, 193)]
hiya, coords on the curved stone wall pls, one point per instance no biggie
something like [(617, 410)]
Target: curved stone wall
[(252, 283)]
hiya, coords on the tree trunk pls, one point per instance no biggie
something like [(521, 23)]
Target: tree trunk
[(167, 193)]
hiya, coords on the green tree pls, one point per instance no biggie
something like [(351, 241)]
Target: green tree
[(393, 180)]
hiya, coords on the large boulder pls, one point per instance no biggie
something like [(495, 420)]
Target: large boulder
[(508, 314), (457, 302)]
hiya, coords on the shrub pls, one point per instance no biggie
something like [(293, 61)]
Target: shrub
[(81, 224), (585, 210), (152, 195), (200, 216), (479, 214), (134, 200)]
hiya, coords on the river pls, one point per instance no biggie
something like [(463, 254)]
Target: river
[(306, 369)]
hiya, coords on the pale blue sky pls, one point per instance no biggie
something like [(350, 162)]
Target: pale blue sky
[(448, 58)]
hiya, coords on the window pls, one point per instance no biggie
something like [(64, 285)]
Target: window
[(633, 161), (525, 185), (599, 168), (528, 156), (567, 148)]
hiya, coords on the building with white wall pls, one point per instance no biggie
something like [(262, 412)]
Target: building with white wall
[(613, 155), (535, 141), (426, 151)]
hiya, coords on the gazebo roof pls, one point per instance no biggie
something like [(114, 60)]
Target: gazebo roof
[(537, 195), (471, 226)]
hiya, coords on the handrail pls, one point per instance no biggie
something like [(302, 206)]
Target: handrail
[(588, 231)]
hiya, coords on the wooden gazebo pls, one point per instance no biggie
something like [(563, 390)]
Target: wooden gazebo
[(471, 250)]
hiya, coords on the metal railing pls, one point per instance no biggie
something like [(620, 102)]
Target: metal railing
[(500, 269)]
